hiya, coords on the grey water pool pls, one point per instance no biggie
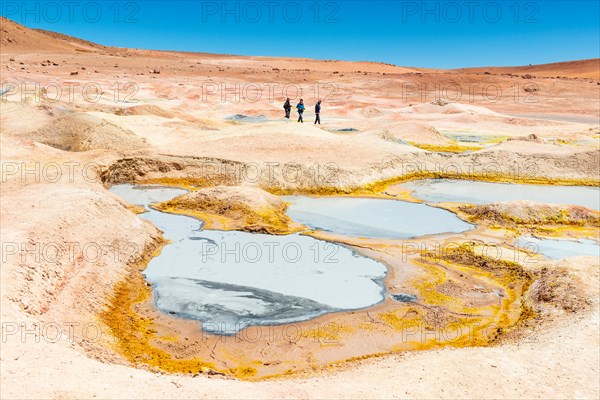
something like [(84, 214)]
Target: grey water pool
[(559, 248), (451, 190), (372, 218), (229, 280)]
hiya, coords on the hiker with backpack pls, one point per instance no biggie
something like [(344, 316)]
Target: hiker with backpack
[(318, 112), (287, 107)]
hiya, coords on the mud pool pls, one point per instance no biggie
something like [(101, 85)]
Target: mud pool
[(443, 190), (372, 218), (559, 248), (229, 280)]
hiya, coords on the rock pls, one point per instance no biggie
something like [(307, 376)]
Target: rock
[(529, 138), (75, 73), (404, 298), (440, 102)]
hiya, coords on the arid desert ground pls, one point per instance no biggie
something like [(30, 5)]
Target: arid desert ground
[(79, 321)]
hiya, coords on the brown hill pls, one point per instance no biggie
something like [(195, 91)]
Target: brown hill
[(589, 69), (17, 38), (76, 42)]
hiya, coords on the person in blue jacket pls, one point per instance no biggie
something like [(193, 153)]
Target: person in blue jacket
[(318, 112), (300, 107)]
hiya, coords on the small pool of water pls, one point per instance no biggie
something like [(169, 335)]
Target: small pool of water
[(442, 190), (559, 248), (230, 280), (472, 138), (372, 218), (246, 118)]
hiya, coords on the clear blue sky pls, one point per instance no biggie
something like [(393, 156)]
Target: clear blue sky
[(439, 34)]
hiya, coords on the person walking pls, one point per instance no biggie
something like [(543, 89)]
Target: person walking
[(300, 107), (318, 112), (287, 107)]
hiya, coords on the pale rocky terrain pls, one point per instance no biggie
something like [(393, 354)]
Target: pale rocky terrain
[(67, 241)]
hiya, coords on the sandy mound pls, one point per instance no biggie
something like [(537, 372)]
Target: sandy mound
[(145, 109), (529, 138), (82, 132), (178, 118), (558, 290), (450, 108), (371, 112), (414, 132), (22, 117), (532, 213), (235, 208)]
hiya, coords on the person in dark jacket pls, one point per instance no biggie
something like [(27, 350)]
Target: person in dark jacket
[(287, 107), (300, 107), (318, 112)]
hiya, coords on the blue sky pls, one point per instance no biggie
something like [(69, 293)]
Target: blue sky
[(435, 34)]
